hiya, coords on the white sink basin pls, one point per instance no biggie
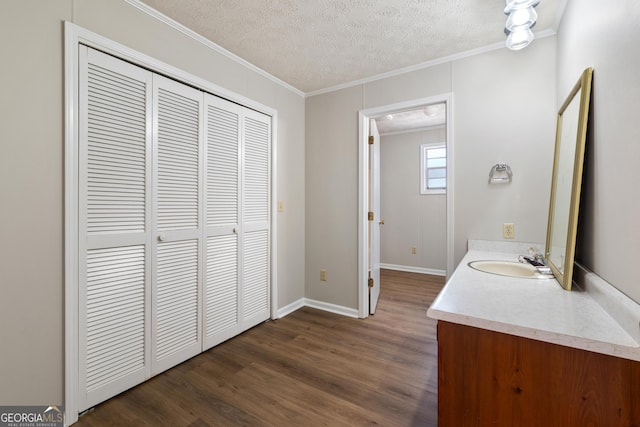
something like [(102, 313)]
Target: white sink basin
[(509, 268)]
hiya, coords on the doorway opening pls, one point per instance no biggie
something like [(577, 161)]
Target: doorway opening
[(394, 119)]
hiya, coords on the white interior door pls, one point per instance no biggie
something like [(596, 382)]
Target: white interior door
[(222, 275), (237, 276), (114, 226), (164, 207), (375, 222), (177, 183), (255, 218)]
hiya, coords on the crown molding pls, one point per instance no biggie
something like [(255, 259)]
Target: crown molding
[(561, 8), (213, 46), (219, 49), (423, 65)]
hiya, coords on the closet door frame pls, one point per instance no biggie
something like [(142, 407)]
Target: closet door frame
[(73, 38)]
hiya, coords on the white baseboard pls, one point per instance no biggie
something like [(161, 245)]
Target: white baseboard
[(333, 308), (290, 308), (346, 311), (411, 269), (320, 305)]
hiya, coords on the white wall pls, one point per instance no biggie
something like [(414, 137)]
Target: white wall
[(606, 36), (503, 111), (32, 172), (411, 219)]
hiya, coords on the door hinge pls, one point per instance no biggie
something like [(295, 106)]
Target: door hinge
[(370, 216), (371, 282), (370, 139)]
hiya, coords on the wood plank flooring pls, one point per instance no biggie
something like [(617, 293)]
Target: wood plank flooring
[(310, 368)]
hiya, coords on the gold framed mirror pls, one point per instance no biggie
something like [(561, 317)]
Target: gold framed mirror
[(566, 183)]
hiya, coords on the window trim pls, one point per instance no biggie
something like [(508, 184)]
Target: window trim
[(424, 169)]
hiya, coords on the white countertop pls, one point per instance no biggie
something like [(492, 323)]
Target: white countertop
[(533, 308)]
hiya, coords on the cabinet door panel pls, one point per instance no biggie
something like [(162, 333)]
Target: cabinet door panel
[(488, 378)]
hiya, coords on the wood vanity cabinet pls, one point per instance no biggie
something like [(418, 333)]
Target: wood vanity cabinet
[(488, 378)]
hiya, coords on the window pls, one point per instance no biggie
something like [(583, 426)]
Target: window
[(433, 169)]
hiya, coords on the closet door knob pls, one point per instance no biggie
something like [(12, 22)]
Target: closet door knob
[(162, 237)]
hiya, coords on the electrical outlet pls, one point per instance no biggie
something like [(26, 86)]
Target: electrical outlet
[(323, 275), (508, 230), (414, 251)]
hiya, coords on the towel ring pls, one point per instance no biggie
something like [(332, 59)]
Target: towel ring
[(498, 172)]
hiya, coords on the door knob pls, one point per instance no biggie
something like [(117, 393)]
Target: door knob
[(381, 222), (162, 237)]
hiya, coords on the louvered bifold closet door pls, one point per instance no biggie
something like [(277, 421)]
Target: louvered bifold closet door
[(178, 209), (114, 226), (221, 289), (255, 218)]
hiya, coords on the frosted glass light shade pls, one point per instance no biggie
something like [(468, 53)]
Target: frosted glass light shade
[(521, 19), (519, 39), (512, 5)]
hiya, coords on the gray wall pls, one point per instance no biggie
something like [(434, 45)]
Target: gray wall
[(32, 172), (606, 36), (503, 111), (411, 219)]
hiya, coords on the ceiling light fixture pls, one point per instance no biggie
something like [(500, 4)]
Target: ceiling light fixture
[(431, 110), (522, 16)]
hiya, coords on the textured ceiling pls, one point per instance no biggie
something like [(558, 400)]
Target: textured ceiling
[(411, 120), (317, 44)]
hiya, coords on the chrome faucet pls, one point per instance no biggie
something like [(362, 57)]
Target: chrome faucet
[(537, 260)]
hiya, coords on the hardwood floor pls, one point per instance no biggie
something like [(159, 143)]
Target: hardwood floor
[(311, 368)]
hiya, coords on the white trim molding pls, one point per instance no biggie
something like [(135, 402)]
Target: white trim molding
[(211, 45), (331, 308), (319, 305), (219, 49), (290, 308), (71, 361), (423, 65), (411, 269), (363, 190)]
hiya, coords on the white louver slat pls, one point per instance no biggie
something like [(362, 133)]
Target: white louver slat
[(178, 159), (222, 166), (116, 146), (256, 170), (115, 313), (114, 217), (222, 284), (256, 274), (177, 297)]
